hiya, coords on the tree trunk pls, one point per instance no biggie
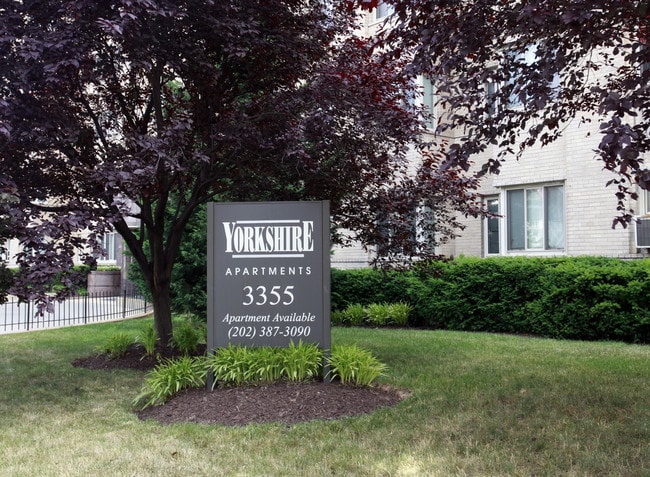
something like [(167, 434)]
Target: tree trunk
[(162, 314)]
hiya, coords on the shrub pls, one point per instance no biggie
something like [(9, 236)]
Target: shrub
[(301, 362), (5, 282), (186, 338), (378, 314), (355, 314), (399, 313), (265, 364), (148, 338), (591, 298), (170, 377), (354, 365), (117, 345), (238, 365), (338, 317), (230, 365)]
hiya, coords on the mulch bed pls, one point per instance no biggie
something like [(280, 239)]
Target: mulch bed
[(286, 403)]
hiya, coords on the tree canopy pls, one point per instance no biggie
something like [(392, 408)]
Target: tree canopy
[(147, 109), (512, 73)]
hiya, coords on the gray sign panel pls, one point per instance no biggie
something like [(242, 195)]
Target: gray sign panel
[(268, 274)]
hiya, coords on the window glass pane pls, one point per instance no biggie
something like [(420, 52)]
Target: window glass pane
[(383, 10), (428, 101), (555, 217), (534, 218), (492, 90), (493, 227), (516, 220), (109, 247)]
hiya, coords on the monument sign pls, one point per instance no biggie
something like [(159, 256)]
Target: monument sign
[(268, 274)]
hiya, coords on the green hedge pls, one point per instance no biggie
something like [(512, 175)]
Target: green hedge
[(5, 282), (589, 298)]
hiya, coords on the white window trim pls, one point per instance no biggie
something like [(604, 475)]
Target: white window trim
[(504, 221), (375, 13), (502, 197), (432, 123), (500, 222), (111, 258)]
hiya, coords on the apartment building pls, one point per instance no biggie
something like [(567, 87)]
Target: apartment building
[(553, 201)]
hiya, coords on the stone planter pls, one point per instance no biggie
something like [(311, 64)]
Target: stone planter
[(105, 282)]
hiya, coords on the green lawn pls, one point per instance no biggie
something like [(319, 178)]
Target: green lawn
[(481, 405)]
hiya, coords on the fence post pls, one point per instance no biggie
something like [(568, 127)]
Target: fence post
[(29, 303), (86, 309), (124, 305)]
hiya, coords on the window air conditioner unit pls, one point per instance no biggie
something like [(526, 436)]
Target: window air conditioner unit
[(642, 232)]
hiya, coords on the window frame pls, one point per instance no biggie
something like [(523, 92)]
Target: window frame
[(382, 11), (526, 223), (429, 102), (489, 222), (111, 249)]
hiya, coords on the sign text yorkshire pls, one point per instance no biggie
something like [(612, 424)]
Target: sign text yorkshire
[(268, 274)]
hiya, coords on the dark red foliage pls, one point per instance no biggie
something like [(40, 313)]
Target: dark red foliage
[(590, 63), (149, 108)]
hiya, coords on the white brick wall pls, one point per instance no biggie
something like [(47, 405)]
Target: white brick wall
[(590, 206)]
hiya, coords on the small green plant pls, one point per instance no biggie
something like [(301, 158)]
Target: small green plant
[(354, 365), (170, 377), (399, 313), (230, 365), (265, 364), (338, 317), (301, 362), (108, 268), (378, 314), (148, 338), (238, 365), (355, 314), (186, 338), (117, 345)]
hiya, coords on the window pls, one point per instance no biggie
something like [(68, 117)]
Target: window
[(517, 93), (429, 102), (492, 227), (535, 218), (109, 244), (409, 234), (644, 202), (5, 251), (383, 10)]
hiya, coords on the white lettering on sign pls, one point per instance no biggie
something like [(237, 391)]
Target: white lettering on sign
[(269, 238)]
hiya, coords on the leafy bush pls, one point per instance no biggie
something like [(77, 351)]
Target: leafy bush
[(399, 313), (367, 286), (265, 364), (117, 345), (5, 282), (186, 337), (301, 362), (170, 377), (338, 317), (148, 338), (590, 298), (378, 314), (238, 365), (355, 314), (230, 365), (354, 365)]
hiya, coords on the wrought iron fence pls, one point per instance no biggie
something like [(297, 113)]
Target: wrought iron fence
[(17, 316)]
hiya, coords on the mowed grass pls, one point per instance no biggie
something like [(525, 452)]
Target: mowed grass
[(481, 405)]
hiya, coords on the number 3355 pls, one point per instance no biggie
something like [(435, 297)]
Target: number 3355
[(262, 295)]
